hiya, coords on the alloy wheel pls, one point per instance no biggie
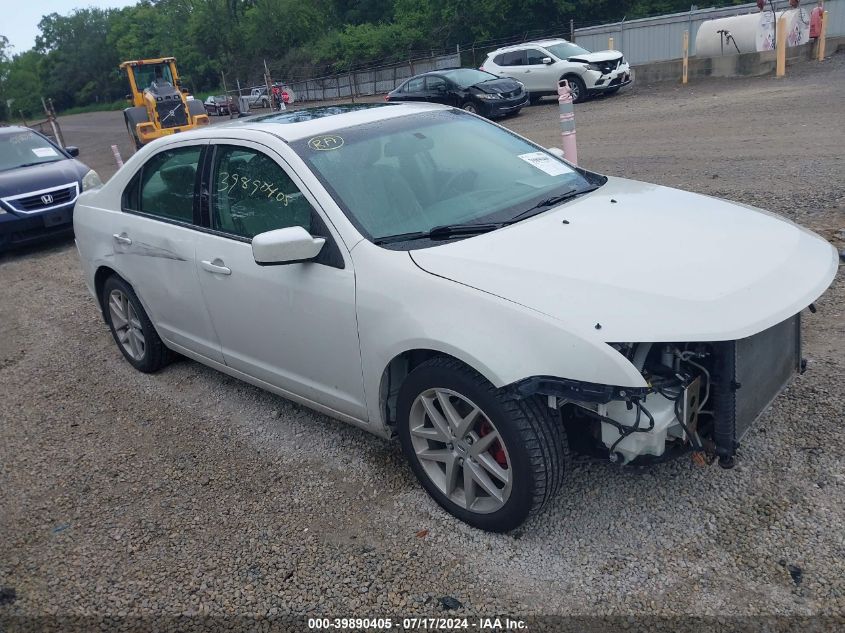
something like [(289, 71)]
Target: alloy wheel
[(470, 107), (127, 325), (460, 450)]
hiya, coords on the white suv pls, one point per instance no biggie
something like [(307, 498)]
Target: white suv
[(540, 65)]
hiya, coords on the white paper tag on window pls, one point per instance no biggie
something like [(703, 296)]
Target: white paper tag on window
[(44, 152), (546, 163)]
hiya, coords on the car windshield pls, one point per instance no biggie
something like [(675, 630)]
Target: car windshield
[(466, 77), (565, 50), (413, 173), (147, 73), (25, 148)]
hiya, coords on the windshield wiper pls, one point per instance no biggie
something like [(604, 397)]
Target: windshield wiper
[(548, 202), (443, 232), (41, 162), (446, 231)]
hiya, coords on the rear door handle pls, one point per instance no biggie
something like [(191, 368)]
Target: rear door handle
[(122, 238), (216, 267)]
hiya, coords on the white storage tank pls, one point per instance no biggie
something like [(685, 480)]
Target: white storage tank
[(750, 33)]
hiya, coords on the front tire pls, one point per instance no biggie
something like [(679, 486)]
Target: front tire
[(485, 456), (131, 328), (576, 85), (470, 107)]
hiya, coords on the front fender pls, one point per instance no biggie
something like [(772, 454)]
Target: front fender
[(400, 307)]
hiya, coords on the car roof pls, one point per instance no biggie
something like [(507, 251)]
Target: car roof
[(14, 129), (293, 125), (521, 45)]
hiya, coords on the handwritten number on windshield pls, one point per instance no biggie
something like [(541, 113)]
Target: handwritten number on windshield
[(227, 182)]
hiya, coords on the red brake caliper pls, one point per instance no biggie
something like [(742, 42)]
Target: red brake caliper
[(496, 449)]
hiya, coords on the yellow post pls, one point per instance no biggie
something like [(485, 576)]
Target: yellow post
[(610, 43), (686, 56), (781, 48), (822, 36)]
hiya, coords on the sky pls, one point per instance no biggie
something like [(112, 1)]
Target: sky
[(20, 24)]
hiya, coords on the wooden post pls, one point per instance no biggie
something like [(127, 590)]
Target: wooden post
[(686, 58), (226, 93), (353, 84), (571, 30), (780, 70), (610, 43), (50, 120), (269, 83), (56, 122), (822, 36)]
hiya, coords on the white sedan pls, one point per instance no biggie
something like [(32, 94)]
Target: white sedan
[(420, 272)]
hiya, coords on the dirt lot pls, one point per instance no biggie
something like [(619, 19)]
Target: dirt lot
[(187, 492)]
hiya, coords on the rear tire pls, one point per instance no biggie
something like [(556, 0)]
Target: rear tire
[(534, 99), (131, 328), (133, 140), (525, 454)]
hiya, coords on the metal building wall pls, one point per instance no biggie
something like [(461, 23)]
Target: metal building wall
[(660, 38)]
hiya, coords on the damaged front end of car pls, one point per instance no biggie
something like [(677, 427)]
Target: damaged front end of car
[(700, 396)]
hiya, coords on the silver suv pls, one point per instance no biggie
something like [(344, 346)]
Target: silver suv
[(540, 65)]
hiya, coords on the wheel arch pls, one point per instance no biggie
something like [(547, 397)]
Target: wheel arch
[(103, 273), (398, 369)]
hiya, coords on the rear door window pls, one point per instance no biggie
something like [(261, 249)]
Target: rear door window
[(514, 58), (166, 185), (416, 84)]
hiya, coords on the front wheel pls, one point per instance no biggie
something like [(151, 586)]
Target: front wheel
[(485, 456), (469, 106), (577, 88)]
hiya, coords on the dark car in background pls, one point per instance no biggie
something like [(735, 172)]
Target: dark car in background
[(221, 105), (472, 90), (39, 184)]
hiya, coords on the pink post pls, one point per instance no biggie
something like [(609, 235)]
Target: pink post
[(567, 122)]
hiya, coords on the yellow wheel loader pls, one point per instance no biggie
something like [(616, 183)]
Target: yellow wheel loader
[(160, 106)]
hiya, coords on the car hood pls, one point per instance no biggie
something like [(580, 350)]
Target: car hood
[(642, 263), (598, 56), (38, 177), (497, 86)]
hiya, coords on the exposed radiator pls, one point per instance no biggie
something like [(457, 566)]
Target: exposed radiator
[(748, 375)]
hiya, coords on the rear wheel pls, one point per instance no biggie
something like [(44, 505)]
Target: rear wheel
[(485, 456), (131, 328), (133, 140), (534, 99), (577, 88)]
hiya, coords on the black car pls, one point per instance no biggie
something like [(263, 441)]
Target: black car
[(473, 90), (39, 184), (221, 105)]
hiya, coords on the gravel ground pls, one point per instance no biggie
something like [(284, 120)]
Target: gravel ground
[(187, 492)]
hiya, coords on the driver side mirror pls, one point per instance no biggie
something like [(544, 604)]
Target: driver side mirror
[(547, 60), (285, 246), (72, 150)]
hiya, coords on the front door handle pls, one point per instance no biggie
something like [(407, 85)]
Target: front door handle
[(216, 267), (122, 238)]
